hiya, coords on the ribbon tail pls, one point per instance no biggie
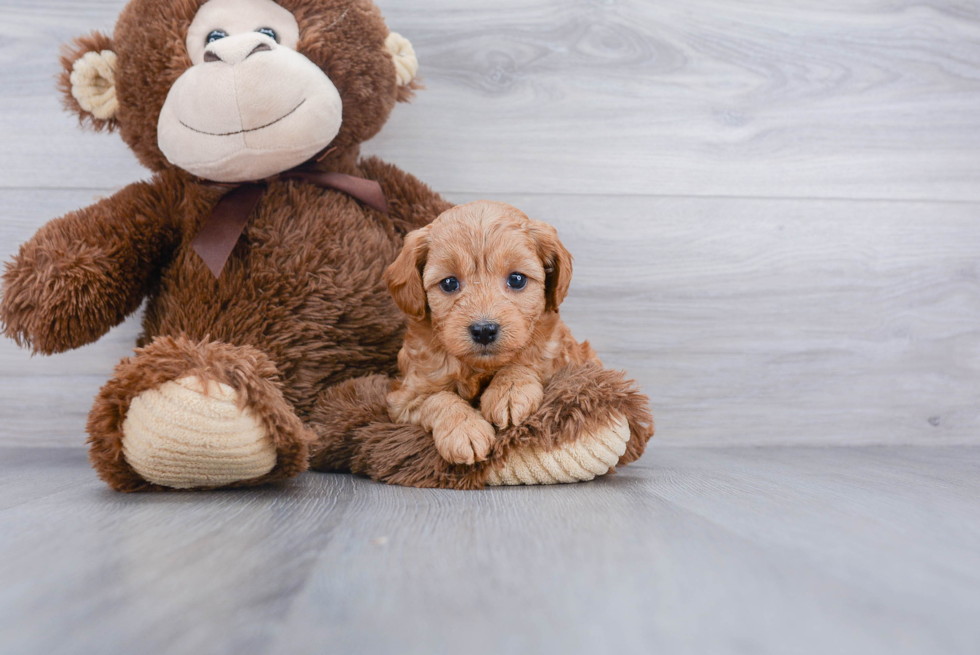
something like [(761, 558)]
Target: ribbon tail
[(367, 191), (221, 231)]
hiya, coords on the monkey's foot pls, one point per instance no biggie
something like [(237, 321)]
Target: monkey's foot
[(195, 415), (590, 455), (192, 433)]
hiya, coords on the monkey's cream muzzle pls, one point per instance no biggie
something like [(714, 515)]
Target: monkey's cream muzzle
[(252, 108)]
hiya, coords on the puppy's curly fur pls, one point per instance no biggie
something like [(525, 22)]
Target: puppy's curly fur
[(484, 263)]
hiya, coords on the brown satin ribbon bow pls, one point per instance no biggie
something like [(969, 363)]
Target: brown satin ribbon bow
[(221, 231)]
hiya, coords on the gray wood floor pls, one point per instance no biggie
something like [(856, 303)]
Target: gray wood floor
[(773, 208), (696, 550)]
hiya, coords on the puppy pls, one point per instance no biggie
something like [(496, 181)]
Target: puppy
[(481, 286)]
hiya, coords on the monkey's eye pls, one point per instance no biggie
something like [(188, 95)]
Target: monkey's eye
[(449, 285), (215, 35), (517, 281), (269, 32)]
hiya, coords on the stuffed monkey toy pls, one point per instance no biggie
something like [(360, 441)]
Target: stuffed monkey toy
[(258, 246)]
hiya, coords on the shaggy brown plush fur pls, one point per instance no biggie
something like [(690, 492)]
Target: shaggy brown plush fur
[(300, 305)]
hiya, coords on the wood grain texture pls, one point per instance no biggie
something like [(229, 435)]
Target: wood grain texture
[(758, 550), (870, 99), (748, 321)]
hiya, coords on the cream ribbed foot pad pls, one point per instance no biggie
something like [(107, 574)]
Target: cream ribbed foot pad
[(176, 436), (590, 455)]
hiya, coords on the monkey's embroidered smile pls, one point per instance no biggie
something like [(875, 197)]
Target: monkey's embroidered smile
[(251, 129)]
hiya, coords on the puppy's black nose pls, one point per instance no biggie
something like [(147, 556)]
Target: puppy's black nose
[(484, 332)]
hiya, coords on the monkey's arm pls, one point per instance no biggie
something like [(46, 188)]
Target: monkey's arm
[(411, 203), (82, 274)]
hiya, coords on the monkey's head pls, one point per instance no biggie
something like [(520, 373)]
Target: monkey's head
[(236, 90)]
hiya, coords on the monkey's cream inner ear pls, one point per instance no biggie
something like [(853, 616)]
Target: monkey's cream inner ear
[(406, 63), (93, 83)]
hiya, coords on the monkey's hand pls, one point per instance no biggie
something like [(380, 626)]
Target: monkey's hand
[(84, 273)]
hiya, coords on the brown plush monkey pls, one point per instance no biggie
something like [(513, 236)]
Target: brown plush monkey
[(258, 245)]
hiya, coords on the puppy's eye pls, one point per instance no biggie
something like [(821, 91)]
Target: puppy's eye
[(517, 281), (215, 35), (269, 32), (449, 285)]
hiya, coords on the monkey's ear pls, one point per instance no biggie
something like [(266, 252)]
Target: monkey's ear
[(404, 276), (406, 65), (557, 263), (88, 80)]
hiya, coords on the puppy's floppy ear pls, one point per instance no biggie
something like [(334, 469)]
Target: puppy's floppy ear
[(557, 263), (404, 276), (88, 80)]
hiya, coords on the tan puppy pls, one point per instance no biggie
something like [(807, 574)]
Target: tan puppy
[(481, 286)]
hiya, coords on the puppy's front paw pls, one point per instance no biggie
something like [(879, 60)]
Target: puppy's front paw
[(466, 443), (511, 402)]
